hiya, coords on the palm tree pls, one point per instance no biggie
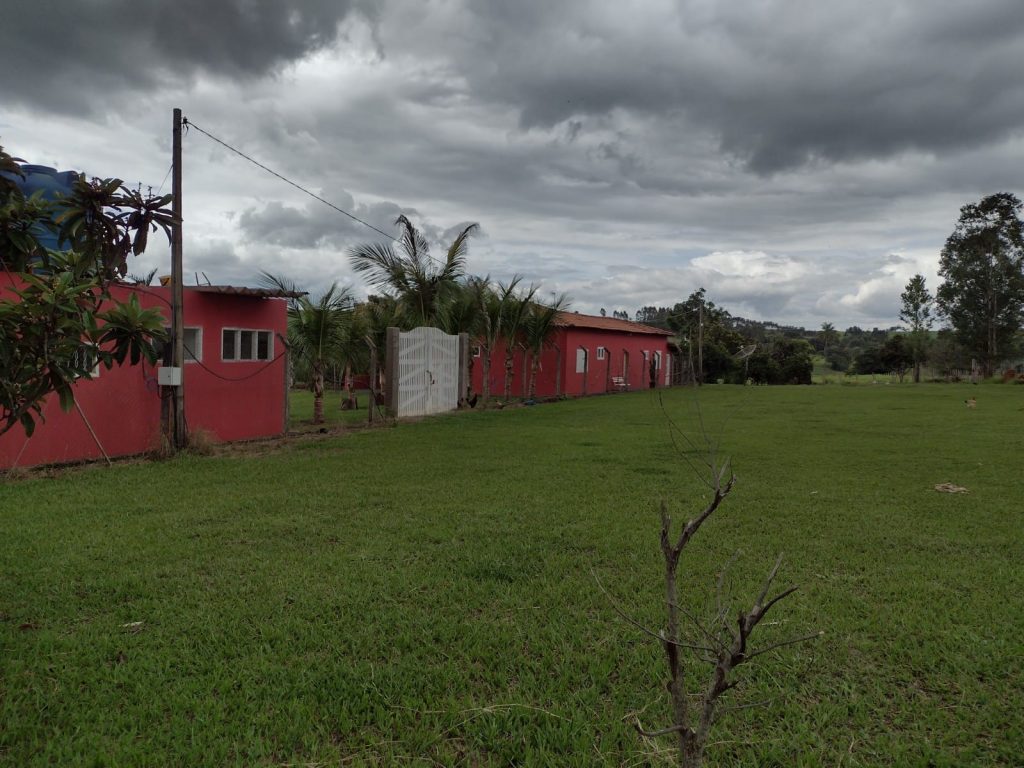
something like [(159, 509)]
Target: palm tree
[(420, 284), (316, 330), (512, 321), (828, 335), (538, 327), (464, 313), (495, 304), (353, 353), (376, 315)]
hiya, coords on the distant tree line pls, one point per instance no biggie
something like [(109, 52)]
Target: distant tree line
[(720, 347)]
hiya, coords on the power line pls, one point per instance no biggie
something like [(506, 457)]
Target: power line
[(169, 169), (186, 122)]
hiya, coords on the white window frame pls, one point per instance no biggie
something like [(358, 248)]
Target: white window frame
[(582, 359), (476, 351), (197, 353), (657, 360), (601, 351), (238, 345), (83, 349)]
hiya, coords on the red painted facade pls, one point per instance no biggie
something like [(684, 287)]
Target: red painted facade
[(231, 400), (573, 365)]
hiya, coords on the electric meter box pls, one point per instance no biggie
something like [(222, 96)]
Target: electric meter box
[(168, 376)]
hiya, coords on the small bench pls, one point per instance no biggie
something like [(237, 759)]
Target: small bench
[(618, 383)]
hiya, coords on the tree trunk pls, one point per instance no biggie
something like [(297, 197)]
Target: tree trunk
[(318, 394), (346, 393), (486, 360), (510, 364), (525, 379), (534, 365)]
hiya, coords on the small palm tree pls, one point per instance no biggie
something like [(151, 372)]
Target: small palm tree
[(518, 306), (376, 315), (495, 303), (316, 331), (538, 328), (419, 283), (464, 313)]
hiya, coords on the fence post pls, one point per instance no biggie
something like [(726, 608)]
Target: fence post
[(373, 380), (391, 370), (464, 382)]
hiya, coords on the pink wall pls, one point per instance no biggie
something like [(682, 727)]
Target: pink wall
[(562, 355), (235, 400), (123, 404), (599, 373)]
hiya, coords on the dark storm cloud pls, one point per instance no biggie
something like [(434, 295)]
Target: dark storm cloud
[(316, 225), (774, 152), (81, 56), (780, 84)]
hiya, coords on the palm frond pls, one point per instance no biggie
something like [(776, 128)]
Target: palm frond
[(455, 262), (412, 241), (380, 265)]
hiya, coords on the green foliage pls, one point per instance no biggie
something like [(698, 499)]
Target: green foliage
[(838, 359), (306, 607), (982, 265), (698, 322), (916, 312), (782, 360), (421, 286), (896, 355), (538, 329), (321, 331), (57, 319), (828, 336), (654, 316)]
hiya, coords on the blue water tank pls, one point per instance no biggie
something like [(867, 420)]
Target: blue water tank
[(54, 184)]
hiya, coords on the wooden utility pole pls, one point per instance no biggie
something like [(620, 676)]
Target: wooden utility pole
[(700, 341), (179, 434)]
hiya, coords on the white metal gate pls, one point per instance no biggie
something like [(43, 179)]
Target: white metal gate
[(428, 373)]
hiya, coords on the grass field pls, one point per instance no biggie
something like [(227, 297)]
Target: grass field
[(423, 594)]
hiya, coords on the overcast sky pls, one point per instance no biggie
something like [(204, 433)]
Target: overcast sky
[(799, 159)]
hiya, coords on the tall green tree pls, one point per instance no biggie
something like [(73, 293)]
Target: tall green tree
[(419, 283), (983, 290), (704, 329), (916, 311), (896, 355), (828, 335), (58, 319)]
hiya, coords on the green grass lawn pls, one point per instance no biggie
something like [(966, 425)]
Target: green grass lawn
[(423, 594), (301, 409)]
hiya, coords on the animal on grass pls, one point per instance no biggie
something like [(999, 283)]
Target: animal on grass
[(971, 402)]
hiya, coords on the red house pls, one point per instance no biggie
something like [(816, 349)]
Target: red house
[(587, 355), (234, 378)]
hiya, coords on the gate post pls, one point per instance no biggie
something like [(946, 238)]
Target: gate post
[(463, 368), (391, 369)]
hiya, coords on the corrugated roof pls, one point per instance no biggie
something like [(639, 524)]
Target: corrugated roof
[(597, 323), (256, 293)]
